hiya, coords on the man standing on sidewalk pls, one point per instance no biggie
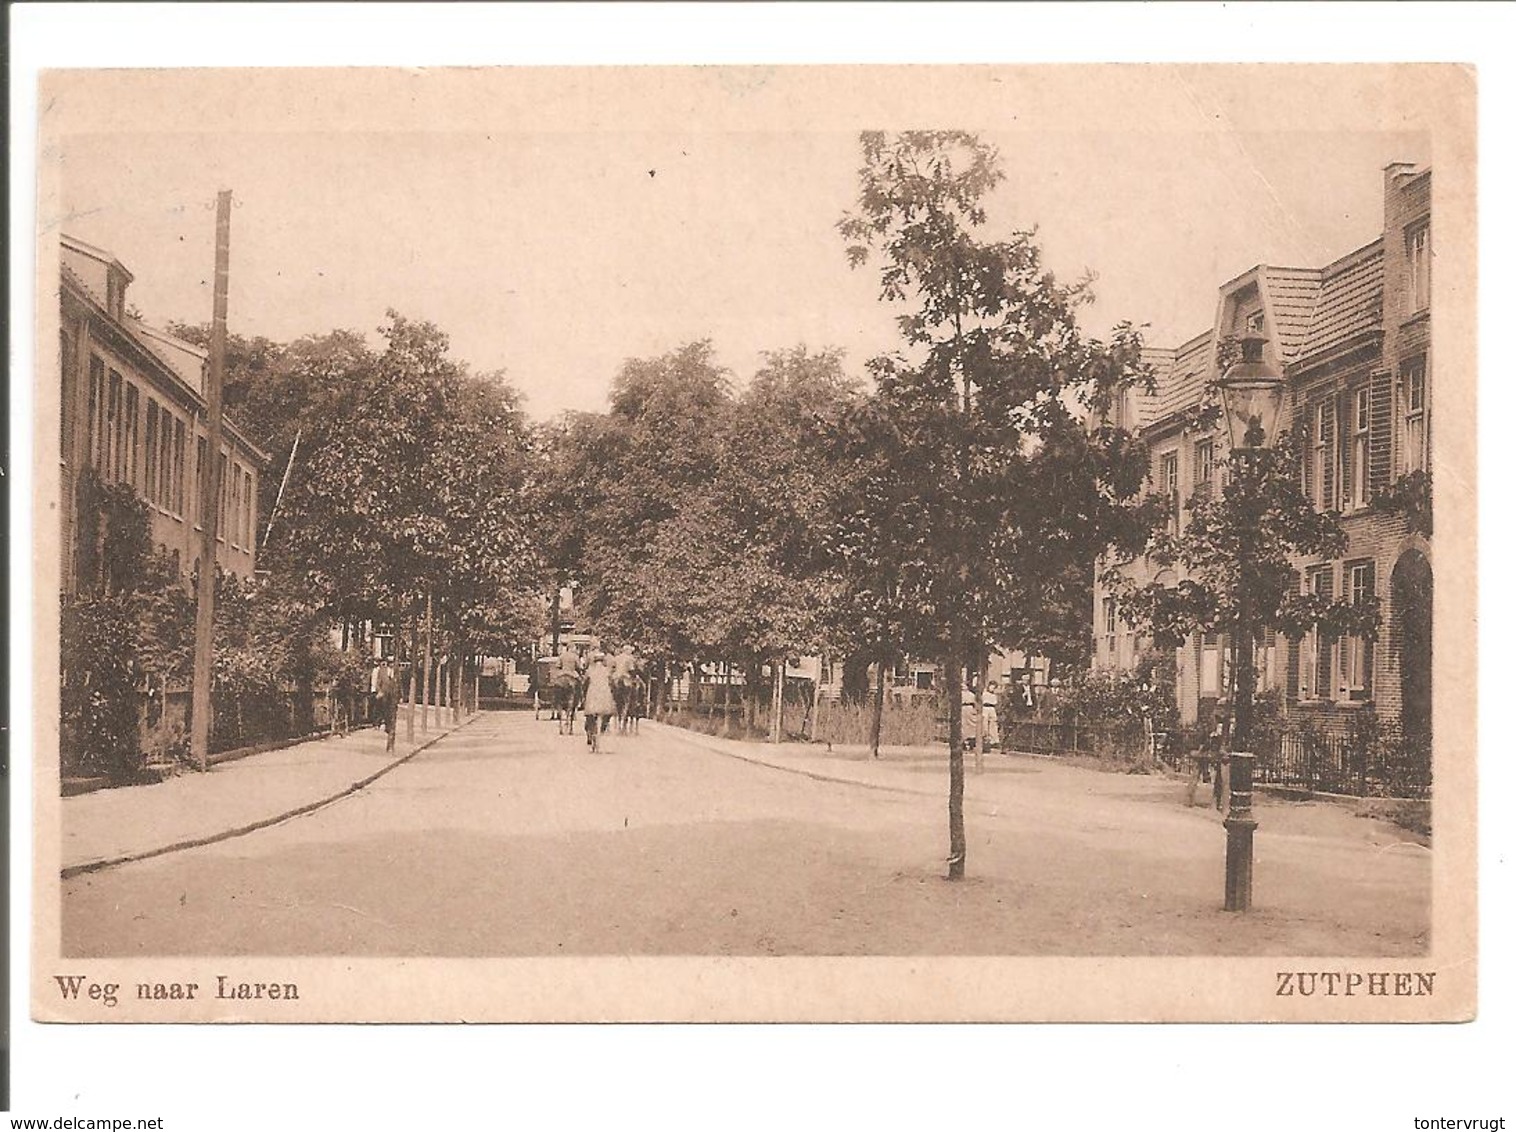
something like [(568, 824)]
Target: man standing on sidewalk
[(388, 696)]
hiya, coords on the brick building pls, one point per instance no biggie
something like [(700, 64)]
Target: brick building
[(134, 409), (1353, 340)]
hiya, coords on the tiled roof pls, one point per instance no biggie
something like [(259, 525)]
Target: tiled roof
[(1292, 294), (1186, 383), (1143, 405), (1351, 301)]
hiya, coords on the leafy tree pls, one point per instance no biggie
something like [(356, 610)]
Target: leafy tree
[(1237, 555), (984, 405)]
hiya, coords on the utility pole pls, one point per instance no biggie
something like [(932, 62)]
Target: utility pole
[(210, 493)]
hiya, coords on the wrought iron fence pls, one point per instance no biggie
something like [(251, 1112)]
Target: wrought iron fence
[(1375, 761), (1098, 740), (1387, 765)]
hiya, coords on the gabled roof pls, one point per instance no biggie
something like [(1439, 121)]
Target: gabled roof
[(1351, 301)]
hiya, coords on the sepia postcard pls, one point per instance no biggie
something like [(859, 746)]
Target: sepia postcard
[(755, 544)]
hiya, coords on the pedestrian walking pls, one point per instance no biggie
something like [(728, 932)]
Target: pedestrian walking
[(599, 700), (1217, 745), (387, 695)]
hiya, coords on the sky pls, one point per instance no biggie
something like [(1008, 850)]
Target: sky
[(555, 255)]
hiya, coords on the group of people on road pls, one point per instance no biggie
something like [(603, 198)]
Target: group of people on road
[(603, 686)]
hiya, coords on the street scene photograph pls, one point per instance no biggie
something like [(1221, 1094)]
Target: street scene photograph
[(664, 515)]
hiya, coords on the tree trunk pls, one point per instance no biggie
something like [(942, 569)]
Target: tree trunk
[(877, 725), (855, 678), (427, 682), (752, 688), (957, 843), (458, 688)]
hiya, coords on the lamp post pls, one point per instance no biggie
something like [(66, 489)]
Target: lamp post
[(1252, 394)]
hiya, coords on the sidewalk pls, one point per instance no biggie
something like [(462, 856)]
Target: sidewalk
[(1079, 794), (107, 827)]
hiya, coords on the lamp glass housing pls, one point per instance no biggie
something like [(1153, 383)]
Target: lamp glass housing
[(1252, 394)]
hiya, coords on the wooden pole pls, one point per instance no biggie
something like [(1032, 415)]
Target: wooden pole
[(816, 698), (426, 672), (979, 715), (210, 494), (878, 722), (776, 709), (415, 669)]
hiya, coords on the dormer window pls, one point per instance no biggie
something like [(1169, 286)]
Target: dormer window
[(1253, 324)]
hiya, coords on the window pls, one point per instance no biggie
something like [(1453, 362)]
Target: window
[(1205, 467), (1254, 323), (165, 458), (1168, 484), (178, 477), (1357, 652), (1418, 250), (66, 363), (132, 408), (1210, 666), (96, 433), (115, 464), (1265, 663), (222, 477), (239, 508), (150, 479), (1322, 493), (1358, 492), (1109, 612), (249, 503), (199, 480), (1316, 650), (1413, 398)]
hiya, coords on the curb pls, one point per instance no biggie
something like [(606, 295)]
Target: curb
[(71, 871), (694, 739)]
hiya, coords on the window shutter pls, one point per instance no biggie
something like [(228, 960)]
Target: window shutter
[(1381, 428), (1328, 425)]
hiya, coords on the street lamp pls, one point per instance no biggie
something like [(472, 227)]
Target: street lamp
[(1252, 394)]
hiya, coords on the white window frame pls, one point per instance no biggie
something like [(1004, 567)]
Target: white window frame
[(1354, 655), (1318, 658), (1168, 484), (1205, 463), (1358, 492), (1418, 252), (1413, 416)]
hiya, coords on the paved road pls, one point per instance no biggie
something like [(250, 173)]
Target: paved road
[(506, 839)]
